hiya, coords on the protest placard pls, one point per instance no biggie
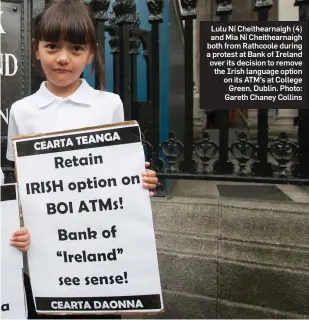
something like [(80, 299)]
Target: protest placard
[(93, 246), (12, 287)]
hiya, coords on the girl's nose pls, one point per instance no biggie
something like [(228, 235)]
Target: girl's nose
[(63, 56)]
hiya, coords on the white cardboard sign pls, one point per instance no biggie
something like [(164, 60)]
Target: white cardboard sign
[(93, 246), (12, 287)]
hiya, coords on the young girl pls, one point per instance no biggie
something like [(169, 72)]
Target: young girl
[(64, 42)]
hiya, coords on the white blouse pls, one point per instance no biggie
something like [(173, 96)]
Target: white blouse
[(44, 112)]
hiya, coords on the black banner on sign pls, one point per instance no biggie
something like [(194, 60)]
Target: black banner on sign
[(78, 141), (99, 304), (254, 65), (8, 192)]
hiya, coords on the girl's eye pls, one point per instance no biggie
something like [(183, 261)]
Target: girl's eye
[(51, 46), (77, 48)]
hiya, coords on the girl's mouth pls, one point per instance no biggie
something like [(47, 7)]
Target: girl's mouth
[(61, 71)]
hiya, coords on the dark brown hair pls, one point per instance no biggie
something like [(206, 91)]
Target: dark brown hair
[(72, 21)]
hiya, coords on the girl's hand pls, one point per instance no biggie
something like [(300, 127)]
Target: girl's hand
[(150, 178), (21, 239)]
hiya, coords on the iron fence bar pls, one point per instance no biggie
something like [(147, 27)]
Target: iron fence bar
[(155, 18), (303, 115), (188, 164), (100, 8), (124, 70), (125, 17), (224, 9), (155, 83), (113, 31), (148, 62), (134, 51), (188, 14), (262, 167), (116, 71), (133, 80)]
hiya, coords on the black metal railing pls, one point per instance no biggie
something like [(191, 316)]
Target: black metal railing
[(248, 158)]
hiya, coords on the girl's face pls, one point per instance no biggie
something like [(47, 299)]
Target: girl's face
[(63, 62)]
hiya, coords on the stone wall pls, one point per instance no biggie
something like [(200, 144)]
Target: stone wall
[(226, 259)]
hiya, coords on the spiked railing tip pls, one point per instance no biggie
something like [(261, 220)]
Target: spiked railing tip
[(125, 11), (155, 8), (100, 8), (263, 4), (224, 7), (188, 8)]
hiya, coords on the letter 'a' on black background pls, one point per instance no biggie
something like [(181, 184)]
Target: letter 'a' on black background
[(212, 86)]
